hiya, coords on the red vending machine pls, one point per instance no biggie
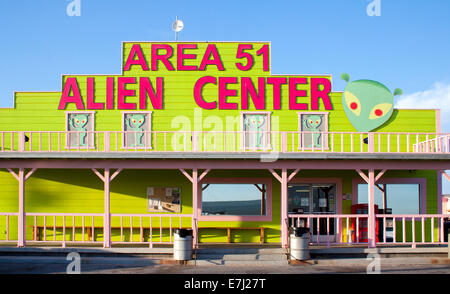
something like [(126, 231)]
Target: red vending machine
[(363, 225)]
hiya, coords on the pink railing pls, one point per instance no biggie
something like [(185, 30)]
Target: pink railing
[(223, 141), (390, 229), (7, 219), (87, 228), (64, 227), (439, 144), (159, 226), (413, 229)]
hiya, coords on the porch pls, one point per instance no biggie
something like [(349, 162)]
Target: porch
[(115, 229)]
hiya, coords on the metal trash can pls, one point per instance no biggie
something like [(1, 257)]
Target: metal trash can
[(299, 243), (182, 245)]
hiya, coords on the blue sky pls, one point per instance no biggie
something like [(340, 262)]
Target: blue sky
[(407, 46)]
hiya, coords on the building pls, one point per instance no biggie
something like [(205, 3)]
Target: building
[(201, 135)]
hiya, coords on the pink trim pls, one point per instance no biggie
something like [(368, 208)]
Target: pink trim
[(269, 128), (324, 133), (148, 133), (90, 132), (228, 164), (421, 181), (266, 181), (438, 121)]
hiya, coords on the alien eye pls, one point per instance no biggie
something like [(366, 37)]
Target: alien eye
[(134, 120), (317, 121), (380, 110), (82, 121), (352, 103), (140, 121), (77, 121)]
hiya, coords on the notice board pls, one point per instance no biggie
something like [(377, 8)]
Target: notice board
[(164, 199)]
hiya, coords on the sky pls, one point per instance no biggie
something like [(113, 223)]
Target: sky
[(400, 43)]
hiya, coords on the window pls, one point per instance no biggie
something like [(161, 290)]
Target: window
[(402, 198), (80, 129), (234, 199), (313, 127), (136, 128), (256, 130), (312, 198)]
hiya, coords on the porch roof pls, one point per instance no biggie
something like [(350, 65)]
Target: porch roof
[(263, 156), (201, 161)]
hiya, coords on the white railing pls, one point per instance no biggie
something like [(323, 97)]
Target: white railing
[(393, 229), (439, 144), (413, 229), (222, 141)]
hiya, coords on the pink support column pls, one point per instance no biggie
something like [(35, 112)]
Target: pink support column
[(284, 212), (106, 178), (371, 143), (371, 203), (21, 241), (107, 216), (21, 177), (195, 179), (194, 206), (284, 179)]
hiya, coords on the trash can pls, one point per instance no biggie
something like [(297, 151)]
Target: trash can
[(182, 246), (299, 243)]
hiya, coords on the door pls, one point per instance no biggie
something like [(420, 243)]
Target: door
[(317, 199)]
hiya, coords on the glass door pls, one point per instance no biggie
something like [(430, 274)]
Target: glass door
[(314, 199)]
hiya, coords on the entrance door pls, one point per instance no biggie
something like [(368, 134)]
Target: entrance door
[(317, 199)]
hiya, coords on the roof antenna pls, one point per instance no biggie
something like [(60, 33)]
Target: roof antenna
[(177, 26)]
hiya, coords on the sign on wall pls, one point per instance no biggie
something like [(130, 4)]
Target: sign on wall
[(164, 199), (227, 69)]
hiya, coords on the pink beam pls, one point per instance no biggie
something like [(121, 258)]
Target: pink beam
[(371, 203), (186, 175), (21, 217), (107, 217), (284, 212), (107, 178), (203, 174), (445, 175), (380, 174), (195, 206), (21, 177), (284, 179), (274, 173), (363, 175), (292, 175), (194, 179)]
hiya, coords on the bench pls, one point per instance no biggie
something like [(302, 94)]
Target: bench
[(37, 230), (261, 231), (88, 230)]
